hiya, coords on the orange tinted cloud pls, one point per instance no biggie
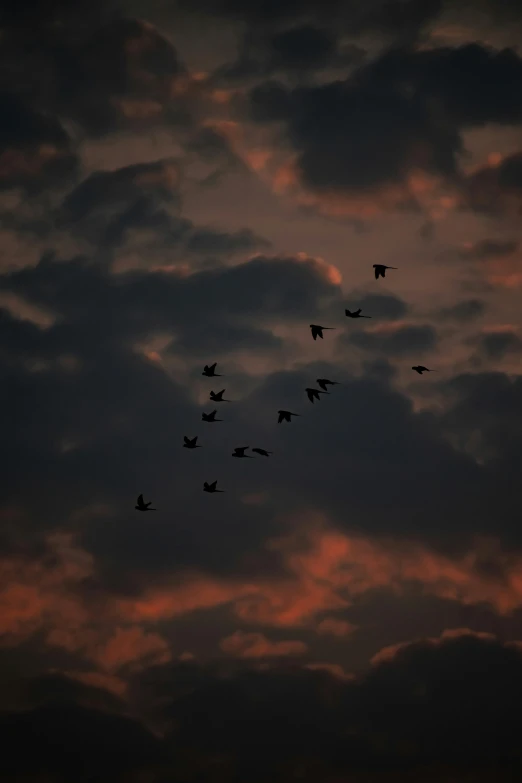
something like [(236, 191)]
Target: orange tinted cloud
[(256, 645), (332, 668), (335, 627), (128, 645), (389, 653)]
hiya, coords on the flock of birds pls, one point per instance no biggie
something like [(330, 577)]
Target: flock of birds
[(209, 371)]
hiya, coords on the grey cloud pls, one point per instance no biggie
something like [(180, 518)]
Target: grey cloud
[(405, 341), (463, 312)]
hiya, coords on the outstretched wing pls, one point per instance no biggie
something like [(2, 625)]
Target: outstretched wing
[(377, 272), (213, 485), (280, 417), (213, 366), (140, 500), (187, 441)]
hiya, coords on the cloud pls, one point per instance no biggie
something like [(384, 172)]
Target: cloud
[(255, 645), (403, 341), (398, 117), (385, 307), (496, 188), (335, 627), (463, 312), (496, 345), (35, 150)]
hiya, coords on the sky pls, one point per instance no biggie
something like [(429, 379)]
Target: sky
[(191, 182)]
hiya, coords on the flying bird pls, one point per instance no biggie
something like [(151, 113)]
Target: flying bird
[(211, 487), (263, 452), (317, 331), (420, 369), (210, 371), (324, 382), (313, 394), (380, 270), (143, 506), (239, 451), (286, 416), (190, 444), (218, 397), (211, 417), (355, 314)]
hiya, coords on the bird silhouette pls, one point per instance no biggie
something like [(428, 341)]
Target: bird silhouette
[(143, 506), (324, 382), (218, 397), (263, 452), (239, 451), (190, 444), (210, 371), (211, 417), (286, 416), (317, 331), (313, 394), (211, 487), (420, 369), (355, 314), (380, 270)]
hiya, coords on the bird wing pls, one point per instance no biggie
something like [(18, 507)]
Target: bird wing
[(205, 484), (212, 366), (213, 485), (358, 311), (140, 500), (280, 417), (376, 273), (186, 439)]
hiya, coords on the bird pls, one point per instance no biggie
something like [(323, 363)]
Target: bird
[(263, 452), (286, 416), (211, 487), (211, 417), (218, 397), (420, 369), (239, 451), (143, 506), (380, 270), (210, 371), (317, 331), (355, 314), (314, 394), (324, 382), (190, 444)]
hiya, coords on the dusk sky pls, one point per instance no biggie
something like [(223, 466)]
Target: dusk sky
[(183, 183)]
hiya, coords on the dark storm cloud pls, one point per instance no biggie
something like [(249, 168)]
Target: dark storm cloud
[(295, 51), (405, 110), (497, 344), (385, 16), (405, 341), (463, 312), (489, 405), (372, 439), (71, 742), (114, 422), (114, 208), (98, 69), (35, 150), (399, 722)]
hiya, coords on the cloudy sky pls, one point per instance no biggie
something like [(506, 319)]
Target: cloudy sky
[(191, 182)]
